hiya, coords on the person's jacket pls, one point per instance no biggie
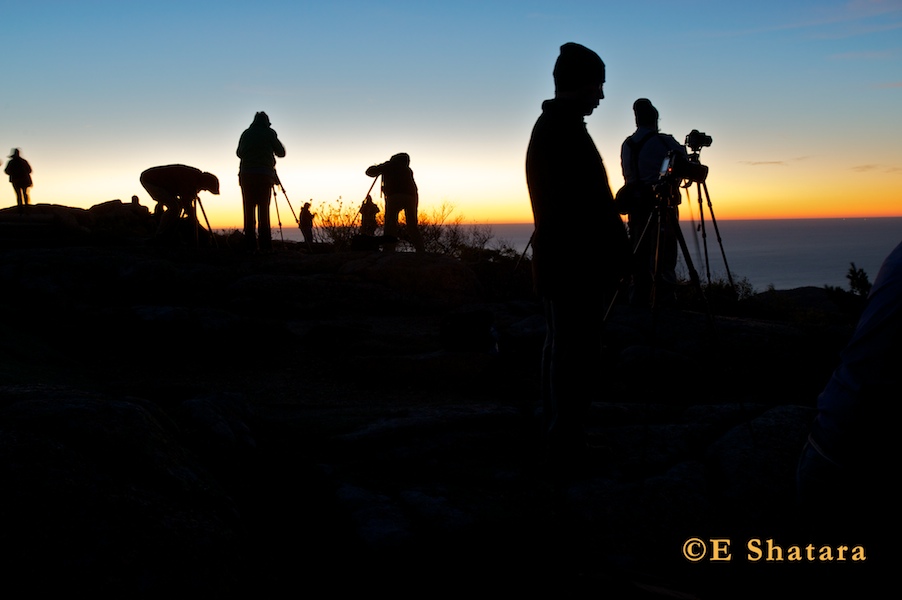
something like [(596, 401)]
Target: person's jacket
[(257, 148), (19, 171), (579, 238), (397, 178)]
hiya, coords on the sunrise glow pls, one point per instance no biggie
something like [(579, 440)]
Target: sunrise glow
[(799, 100)]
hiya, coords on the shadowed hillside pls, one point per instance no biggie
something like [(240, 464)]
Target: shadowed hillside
[(200, 419)]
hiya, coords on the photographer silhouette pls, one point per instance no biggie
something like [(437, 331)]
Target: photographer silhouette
[(654, 251)]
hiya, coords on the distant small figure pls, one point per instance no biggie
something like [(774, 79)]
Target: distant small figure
[(19, 172), (175, 188), (135, 200), (305, 221), (401, 193), (368, 211), (258, 148)]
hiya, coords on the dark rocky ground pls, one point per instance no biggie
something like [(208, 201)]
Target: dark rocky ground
[(199, 421)]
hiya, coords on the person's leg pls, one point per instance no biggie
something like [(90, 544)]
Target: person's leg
[(575, 358), (264, 228), (169, 204), (256, 192), (390, 225), (250, 223), (410, 215)]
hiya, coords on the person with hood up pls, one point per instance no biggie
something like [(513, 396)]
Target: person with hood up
[(258, 148)]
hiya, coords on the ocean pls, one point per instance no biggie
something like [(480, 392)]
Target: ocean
[(778, 253)]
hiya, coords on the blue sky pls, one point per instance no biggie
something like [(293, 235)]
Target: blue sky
[(802, 99)]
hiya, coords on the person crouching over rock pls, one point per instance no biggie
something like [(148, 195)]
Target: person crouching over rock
[(175, 188)]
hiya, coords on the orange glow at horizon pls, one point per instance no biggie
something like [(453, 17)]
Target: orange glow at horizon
[(508, 202)]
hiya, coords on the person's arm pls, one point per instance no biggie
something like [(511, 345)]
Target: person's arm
[(375, 170), (277, 148)]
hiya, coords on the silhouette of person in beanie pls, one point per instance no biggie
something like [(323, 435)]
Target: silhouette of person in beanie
[(258, 148), (574, 270), (400, 194), (641, 156), (19, 172)]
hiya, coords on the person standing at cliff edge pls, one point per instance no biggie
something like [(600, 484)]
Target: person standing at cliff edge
[(19, 172), (258, 148)]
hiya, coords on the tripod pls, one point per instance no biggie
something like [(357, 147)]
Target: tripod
[(701, 185), (663, 217), (197, 203), (275, 196)]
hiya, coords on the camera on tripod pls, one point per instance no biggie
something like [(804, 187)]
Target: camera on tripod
[(677, 167), (696, 140)]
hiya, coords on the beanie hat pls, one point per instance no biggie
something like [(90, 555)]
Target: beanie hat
[(646, 113), (576, 67)]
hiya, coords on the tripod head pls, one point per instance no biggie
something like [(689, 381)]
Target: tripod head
[(678, 167)]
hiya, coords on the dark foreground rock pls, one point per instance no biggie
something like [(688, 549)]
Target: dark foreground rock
[(200, 421)]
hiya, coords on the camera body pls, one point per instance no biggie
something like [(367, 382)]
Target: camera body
[(678, 167), (696, 140)]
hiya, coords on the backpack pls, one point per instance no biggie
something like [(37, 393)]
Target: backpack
[(635, 194)]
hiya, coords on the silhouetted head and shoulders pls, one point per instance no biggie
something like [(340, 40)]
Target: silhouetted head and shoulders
[(559, 140), (647, 118), (579, 77), (397, 176), (368, 205), (646, 147), (259, 146), (560, 143), (16, 166)]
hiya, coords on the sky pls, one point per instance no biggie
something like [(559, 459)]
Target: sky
[(802, 99)]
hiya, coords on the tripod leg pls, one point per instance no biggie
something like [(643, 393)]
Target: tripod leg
[(693, 274), (207, 221), (656, 271), (196, 224), (719, 240), (644, 262), (275, 199), (701, 220), (293, 214), (637, 245)]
